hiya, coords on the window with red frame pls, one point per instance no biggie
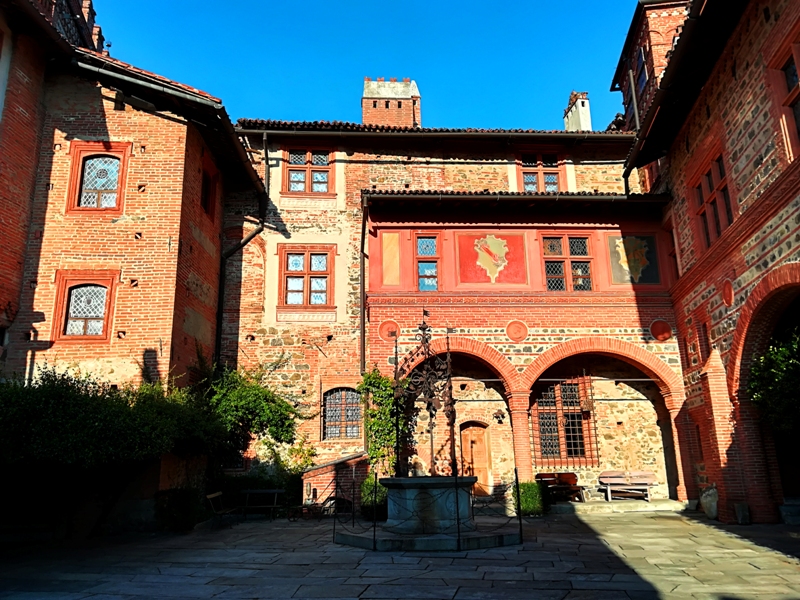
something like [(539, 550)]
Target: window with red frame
[(567, 263), (97, 176), (563, 428), (540, 173), (83, 305), (714, 205), (427, 260), (791, 100), (309, 171), (306, 276)]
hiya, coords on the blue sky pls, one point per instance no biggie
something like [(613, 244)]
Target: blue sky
[(477, 64)]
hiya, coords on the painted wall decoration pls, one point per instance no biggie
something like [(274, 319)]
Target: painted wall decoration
[(634, 259), (490, 258)]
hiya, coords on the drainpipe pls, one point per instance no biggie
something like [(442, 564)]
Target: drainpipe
[(363, 290), (263, 202)]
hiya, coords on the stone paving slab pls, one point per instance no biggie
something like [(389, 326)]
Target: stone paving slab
[(585, 557)]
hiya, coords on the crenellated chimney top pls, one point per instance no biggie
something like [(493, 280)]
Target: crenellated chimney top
[(394, 103)]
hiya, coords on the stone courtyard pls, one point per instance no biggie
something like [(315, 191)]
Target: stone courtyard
[(652, 555)]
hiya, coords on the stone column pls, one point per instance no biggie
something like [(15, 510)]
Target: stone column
[(519, 404)]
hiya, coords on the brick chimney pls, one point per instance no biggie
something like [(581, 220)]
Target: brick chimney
[(394, 103), (578, 115)]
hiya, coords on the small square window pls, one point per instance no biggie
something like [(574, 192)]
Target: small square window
[(308, 171)]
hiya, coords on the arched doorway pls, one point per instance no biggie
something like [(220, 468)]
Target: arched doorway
[(775, 321), (594, 412), (475, 459), (482, 434)]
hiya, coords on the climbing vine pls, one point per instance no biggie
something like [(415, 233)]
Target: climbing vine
[(377, 392)]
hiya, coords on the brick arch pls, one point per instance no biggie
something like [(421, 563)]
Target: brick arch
[(494, 359), (757, 319), (669, 383)]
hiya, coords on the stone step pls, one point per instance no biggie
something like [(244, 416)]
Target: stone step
[(616, 506), (791, 501)]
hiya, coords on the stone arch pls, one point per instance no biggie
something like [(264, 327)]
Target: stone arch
[(494, 359), (670, 385), (763, 306)]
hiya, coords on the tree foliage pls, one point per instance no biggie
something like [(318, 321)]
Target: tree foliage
[(377, 392), (774, 383)]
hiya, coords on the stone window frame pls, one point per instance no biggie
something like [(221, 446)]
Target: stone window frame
[(787, 101), (284, 250), (567, 258), (309, 169), (67, 280), (712, 202), (539, 168), (343, 422), (80, 152), (591, 456)]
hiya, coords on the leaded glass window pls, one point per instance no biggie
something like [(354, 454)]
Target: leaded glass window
[(99, 182), (86, 310), (562, 424), (342, 414), (567, 274), (309, 171), (306, 278), (540, 173), (427, 264)]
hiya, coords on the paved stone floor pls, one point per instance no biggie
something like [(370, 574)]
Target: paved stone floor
[(653, 555)]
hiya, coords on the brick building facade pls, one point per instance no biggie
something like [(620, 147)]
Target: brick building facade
[(603, 293)]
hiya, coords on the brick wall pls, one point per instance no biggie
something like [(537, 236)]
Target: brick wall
[(19, 142), (197, 280), (142, 244), (736, 115)]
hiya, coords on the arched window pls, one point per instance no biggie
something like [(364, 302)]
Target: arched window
[(99, 182), (341, 414), (86, 310)]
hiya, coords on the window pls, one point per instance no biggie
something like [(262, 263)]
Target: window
[(427, 263), (785, 84), (86, 310), (540, 173), (713, 202), (641, 70), (567, 263), (83, 305), (563, 426), (98, 177), (341, 414), (306, 276), (792, 98), (309, 172)]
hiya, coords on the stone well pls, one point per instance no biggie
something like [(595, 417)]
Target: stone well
[(428, 505)]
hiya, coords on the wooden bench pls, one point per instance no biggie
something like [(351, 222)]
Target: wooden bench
[(627, 484), (561, 486), (220, 512), (265, 500)]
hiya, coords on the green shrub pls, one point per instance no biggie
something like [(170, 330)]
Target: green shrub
[(531, 499), (374, 502), (64, 419)]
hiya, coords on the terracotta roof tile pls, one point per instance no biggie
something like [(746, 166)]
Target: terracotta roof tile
[(130, 68), (345, 126)]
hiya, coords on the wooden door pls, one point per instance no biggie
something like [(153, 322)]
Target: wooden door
[(475, 458)]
